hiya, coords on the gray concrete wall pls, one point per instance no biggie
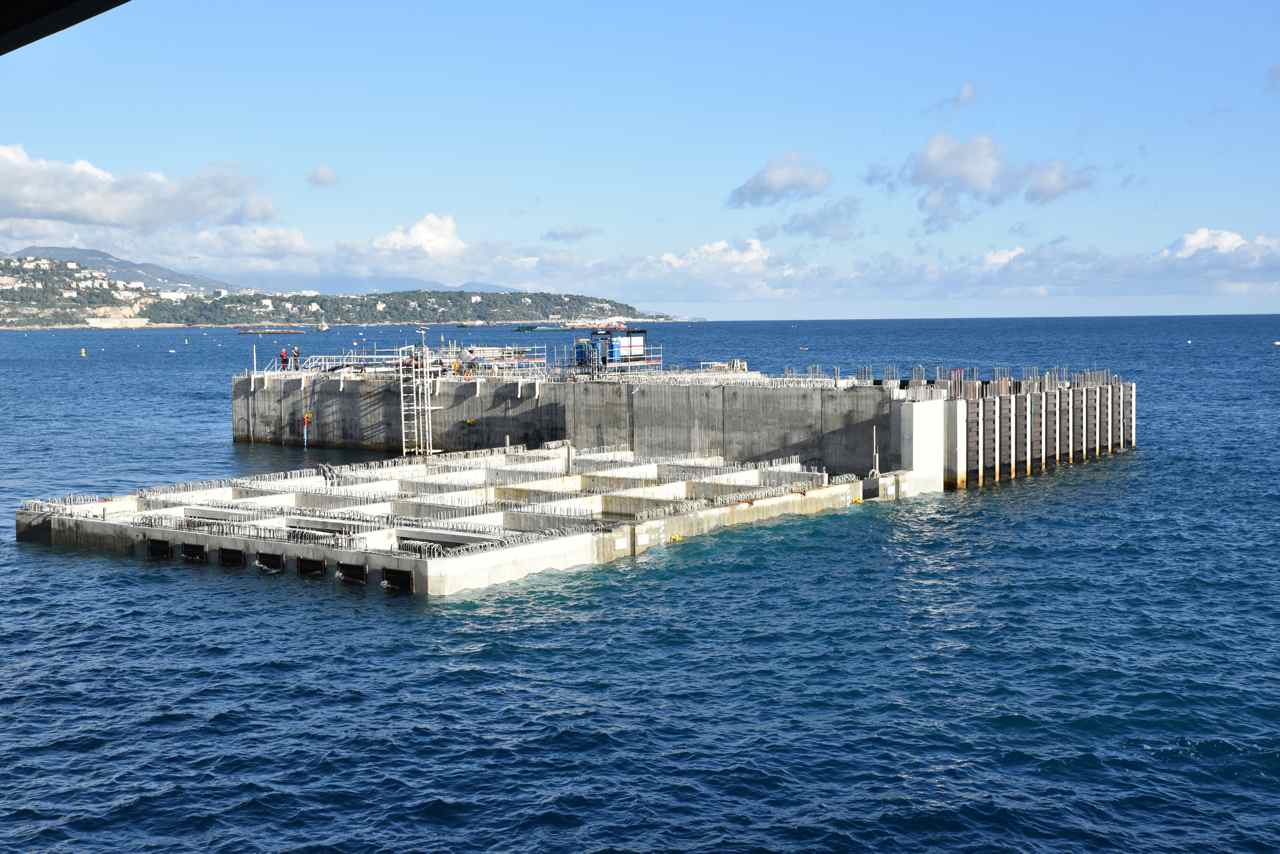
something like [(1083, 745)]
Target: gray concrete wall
[(1008, 436), (826, 427), (363, 414)]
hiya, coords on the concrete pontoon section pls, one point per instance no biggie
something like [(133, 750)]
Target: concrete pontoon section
[(443, 525)]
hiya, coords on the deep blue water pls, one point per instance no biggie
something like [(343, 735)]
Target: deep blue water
[(1087, 660)]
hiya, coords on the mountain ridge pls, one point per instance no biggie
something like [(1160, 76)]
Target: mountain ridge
[(153, 275), (343, 284), (159, 276)]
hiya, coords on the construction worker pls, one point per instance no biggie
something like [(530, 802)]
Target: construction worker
[(284, 358), (297, 358)]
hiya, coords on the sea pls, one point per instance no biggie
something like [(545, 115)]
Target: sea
[(1088, 660)]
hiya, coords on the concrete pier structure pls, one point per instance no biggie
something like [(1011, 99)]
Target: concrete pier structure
[(439, 524), (990, 430)]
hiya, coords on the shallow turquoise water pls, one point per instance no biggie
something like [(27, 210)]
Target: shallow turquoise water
[(1085, 660)]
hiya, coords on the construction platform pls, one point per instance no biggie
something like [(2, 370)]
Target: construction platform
[(441, 525), (672, 454)]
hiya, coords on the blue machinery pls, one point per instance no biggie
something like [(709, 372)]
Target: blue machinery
[(616, 350)]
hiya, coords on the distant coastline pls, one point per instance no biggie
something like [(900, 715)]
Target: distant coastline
[(77, 289), (578, 326)]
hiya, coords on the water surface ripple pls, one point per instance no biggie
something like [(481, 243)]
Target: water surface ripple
[(1088, 660)]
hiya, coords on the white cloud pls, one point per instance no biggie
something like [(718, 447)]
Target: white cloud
[(720, 256), (41, 231), (720, 269), (955, 178), (251, 241), (782, 179), (81, 193), (434, 235), (322, 176), (948, 171), (1221, 259), (976, 167), (998, 258), (1206, 239)]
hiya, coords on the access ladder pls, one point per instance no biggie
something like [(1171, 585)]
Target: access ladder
[(415, 400)]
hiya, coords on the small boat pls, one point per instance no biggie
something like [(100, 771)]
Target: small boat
[(528, 327), (323, 327)]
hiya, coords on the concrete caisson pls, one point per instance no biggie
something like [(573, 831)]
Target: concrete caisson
[(831, 427)]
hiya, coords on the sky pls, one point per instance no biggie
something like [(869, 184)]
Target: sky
[(728, 161)]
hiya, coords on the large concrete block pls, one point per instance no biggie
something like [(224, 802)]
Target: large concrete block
[(923, 427)]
